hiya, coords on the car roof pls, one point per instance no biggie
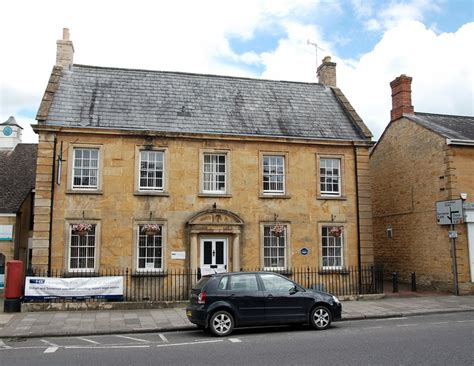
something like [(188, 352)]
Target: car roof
[(239, 273)]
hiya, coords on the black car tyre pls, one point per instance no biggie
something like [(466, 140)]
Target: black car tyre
[(221, 323), (320, 318)]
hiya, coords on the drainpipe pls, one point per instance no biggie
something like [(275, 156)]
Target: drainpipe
[(358, 220), (53, 178)]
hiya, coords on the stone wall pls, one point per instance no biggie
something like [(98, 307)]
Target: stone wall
[(117, 207), (412, 168)]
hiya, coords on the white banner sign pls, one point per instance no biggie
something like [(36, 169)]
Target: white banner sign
[(81, 287)]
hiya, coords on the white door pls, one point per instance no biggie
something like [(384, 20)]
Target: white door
[(213, 255)]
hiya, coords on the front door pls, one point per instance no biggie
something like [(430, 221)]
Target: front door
[(213, 255)]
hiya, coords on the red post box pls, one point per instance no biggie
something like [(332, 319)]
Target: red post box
[(15, 279)]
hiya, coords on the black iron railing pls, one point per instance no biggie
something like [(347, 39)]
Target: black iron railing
[(176, 284)]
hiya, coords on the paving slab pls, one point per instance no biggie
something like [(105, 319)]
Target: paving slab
[(95, 322)]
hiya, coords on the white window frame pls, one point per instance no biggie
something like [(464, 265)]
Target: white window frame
[(334, 240), (214, 173), (265, 237), (273, 175), (326, 178), (72, 236), (92, 187), (139, 235), (153, 188)]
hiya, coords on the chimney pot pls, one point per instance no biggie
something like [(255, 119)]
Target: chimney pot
[(401, 97), (327, 72), (64, 51)]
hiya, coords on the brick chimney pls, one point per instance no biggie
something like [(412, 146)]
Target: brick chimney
[(401, 97), (65, 50), (327, 72)]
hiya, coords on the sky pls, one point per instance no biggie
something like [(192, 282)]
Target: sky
[(371, 41)]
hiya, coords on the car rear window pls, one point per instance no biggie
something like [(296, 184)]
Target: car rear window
[(201, 283)]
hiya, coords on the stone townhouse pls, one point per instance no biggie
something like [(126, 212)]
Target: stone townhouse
[(420, 159), (154, 170), (17, 182)]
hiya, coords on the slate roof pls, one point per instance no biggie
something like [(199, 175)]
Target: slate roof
[(112, 98), (451, 127), (17, 178)]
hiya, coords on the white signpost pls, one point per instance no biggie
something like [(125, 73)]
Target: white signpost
[(449, 212)]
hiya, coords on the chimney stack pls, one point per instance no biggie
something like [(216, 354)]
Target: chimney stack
[(401, 97), (327, 72), (65, 51)]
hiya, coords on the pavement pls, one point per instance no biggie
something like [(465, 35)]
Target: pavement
[(78, 323)]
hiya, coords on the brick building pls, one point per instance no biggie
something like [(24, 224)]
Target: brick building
[(212, 163), (420, 159)]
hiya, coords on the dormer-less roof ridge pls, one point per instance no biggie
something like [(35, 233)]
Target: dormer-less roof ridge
[(442, 115), (198, 74)]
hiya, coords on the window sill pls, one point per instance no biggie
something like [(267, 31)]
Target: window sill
[(223, 195), (330, 271), (273, 195), (151, 193), (158, 273), (79, 273), (279, 270), (84, 191), (335, 198)]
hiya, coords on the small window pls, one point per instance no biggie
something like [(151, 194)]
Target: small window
[(85, 170), (332, 249), (150, 250), (245, 282), (273, 174), (151, 171), (82, 248), (223, 283), (330, 176), (214, 172), (274, 248)]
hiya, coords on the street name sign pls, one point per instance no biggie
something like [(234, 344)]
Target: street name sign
[(449, 212)]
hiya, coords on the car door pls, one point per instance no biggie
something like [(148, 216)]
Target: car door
[(246, 298), (284, 303)]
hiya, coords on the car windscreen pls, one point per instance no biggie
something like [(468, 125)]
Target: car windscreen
[(201, 283)]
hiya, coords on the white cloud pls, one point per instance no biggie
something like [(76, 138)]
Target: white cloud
[(193, 36), (389, 16), (441, 67)]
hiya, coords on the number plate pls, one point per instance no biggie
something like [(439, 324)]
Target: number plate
[(189, 313)]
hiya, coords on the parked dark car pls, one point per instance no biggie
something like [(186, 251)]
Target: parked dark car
[(221, 302)]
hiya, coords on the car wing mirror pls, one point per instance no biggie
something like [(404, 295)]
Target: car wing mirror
[(294, 290)]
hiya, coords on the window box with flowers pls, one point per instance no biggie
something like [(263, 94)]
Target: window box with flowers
[(81, 229), (150, 229)]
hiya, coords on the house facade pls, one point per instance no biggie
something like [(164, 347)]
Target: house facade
[(153, 170), (423, 158), (17, 181)]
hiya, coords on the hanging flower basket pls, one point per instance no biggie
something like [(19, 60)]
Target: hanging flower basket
[(151, 229), (82, 229), (278, 230), (336, 231)]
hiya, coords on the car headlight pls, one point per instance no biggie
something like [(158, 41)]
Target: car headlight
[(336, 300)]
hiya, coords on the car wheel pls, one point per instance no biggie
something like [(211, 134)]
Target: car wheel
[(221, 323), (320, 318)]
